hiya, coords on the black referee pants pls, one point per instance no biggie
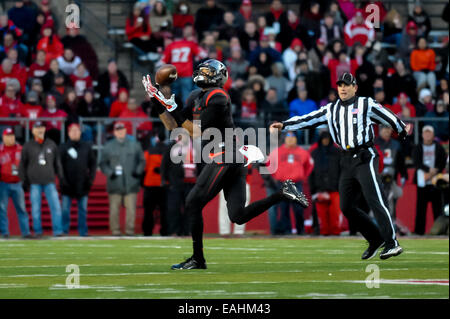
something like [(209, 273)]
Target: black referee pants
[(359, 174), (212, 179)]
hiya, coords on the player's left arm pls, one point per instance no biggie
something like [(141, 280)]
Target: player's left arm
[(385, 116)]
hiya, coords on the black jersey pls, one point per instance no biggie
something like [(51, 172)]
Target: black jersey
[(212, 107)]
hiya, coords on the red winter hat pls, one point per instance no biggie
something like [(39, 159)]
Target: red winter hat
[(48, 24), (411, 25), (296, 42), (122, 90)]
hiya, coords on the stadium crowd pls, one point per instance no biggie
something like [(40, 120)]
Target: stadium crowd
[(281, 62)]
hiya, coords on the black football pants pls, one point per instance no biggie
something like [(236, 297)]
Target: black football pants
[(212, 179), (359, 174)]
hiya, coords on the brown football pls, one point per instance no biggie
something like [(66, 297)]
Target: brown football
[(166, 75)]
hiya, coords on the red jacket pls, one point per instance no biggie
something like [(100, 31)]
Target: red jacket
[(337, 68), (53, 49), (133, 31), (53, 124), (16, 73), (143, 126), (117, 107), (397, 109), (10, 108), (9, 163), (180, 20), (293, 163)]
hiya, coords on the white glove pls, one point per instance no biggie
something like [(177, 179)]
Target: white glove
[(152, 91)]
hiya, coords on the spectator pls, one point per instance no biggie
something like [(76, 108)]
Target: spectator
[(53, 127), (31, 109), (429, 160), (182, 53), (123, 164), (359, 30), (59, 88), (402, 80), (82, 49), (249, 37), (249, 106), (329, 30), (263, 63), (209, 45), (120, 104), (335, 11), (393, 166), (160, 17), (278, 81), (68, 62), (425, 102), (301, 105), (277, 16), (88, 106), (138, 30), (293, 29), (8, 44), (403, 108), (331, 98), (182, 15), (272, 54), (70, 106), (38, 68), (22, 17), (7, 26), (290, 156), (154, 190), (35, 34), (179, 177), (245, 14), (110, 82), (392, 27), (441, 128), (143, 128), (324, 182), (237, 65), (311, 22), (229, 27), (290, 57), (423, 64), (49, 78), (10, 185), (348, 8), (258, 84), (36, 86), (339, 66), (81, 80), (47, 11), (408, 40), (8, 72), (10, 104), (80, 167), (274, 109), (39, 165), (50, 43), (421, 19), (208, 18)]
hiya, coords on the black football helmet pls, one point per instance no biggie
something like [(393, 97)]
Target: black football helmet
[(210, 73)]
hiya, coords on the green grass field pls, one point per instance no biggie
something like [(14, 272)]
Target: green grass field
[(237, 268)]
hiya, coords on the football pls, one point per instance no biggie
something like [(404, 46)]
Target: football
[(166, 75)]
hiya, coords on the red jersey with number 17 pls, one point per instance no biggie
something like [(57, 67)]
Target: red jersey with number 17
[(182, 54)]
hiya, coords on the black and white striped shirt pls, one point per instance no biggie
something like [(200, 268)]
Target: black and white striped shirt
[(349, 122)]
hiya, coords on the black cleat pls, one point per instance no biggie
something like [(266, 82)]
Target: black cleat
[(291, 192), (390, 251), (189, 263), (372, 250)]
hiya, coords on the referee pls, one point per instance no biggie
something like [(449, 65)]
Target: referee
[(350, 121)]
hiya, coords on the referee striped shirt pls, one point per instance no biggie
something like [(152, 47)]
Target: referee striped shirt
[(349, 122)]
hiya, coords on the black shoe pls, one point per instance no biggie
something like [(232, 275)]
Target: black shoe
[(189, 263), (372, 250), (291, 192), (390, 251)]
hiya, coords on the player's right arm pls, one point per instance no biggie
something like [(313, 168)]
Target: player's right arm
[(306, 121)]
